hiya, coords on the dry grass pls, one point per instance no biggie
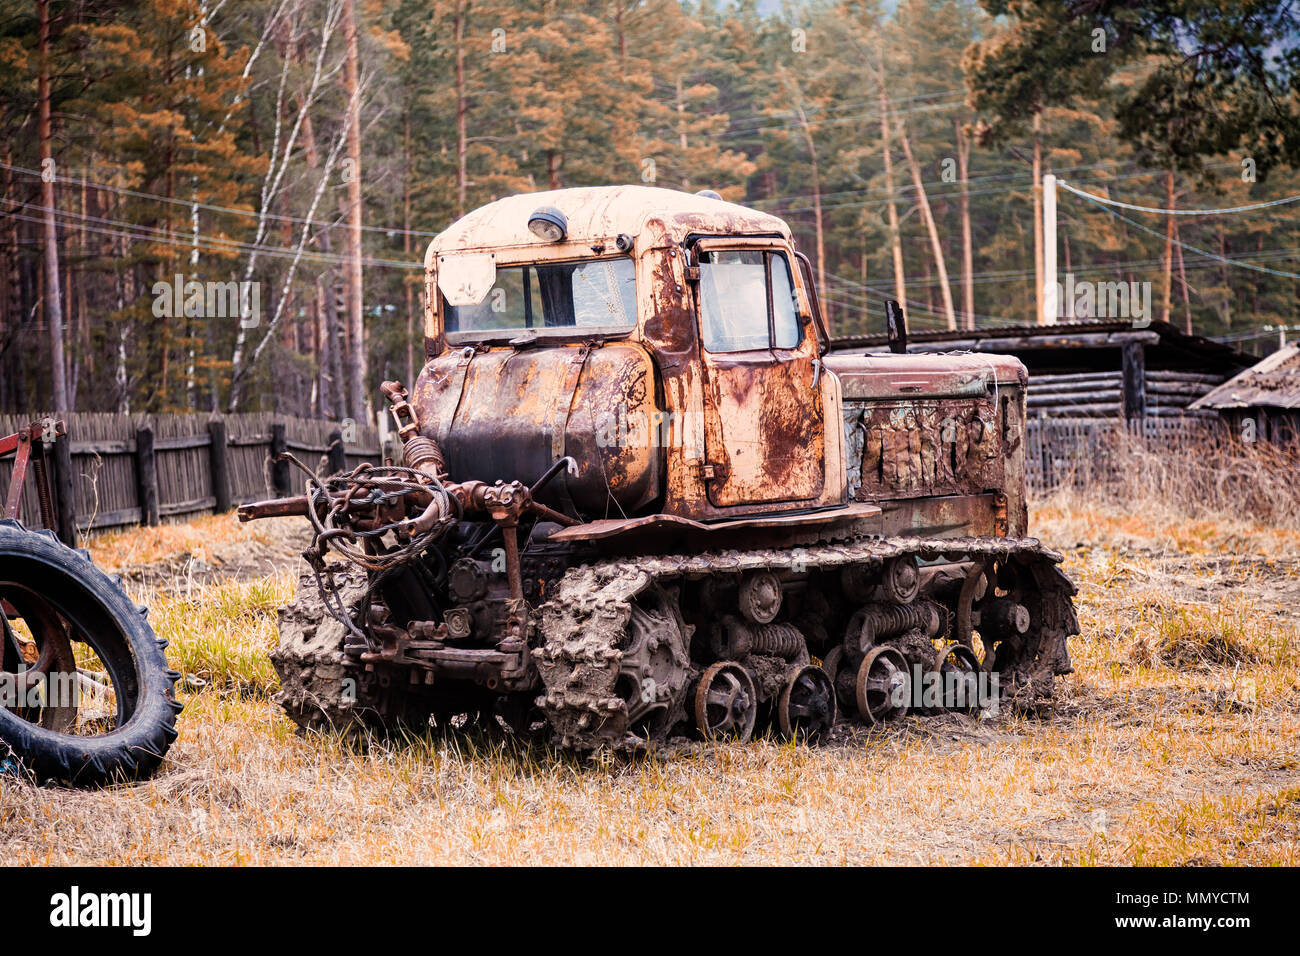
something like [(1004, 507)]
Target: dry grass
[(1204, 478), (202, 539), (1176, 741)]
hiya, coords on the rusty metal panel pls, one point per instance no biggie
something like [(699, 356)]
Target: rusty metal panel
[(507, 414), (922, 448), (765, 429), (615, 527), (870, 377), (765, 425)]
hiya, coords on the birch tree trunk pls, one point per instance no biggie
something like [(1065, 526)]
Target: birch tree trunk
[(895, 236), (817, 221)]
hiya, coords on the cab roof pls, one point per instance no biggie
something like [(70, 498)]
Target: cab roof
[(597, 213)]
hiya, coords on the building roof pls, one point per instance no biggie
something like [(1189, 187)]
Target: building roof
[(601, 213), (1274, 382), (1072, 346)]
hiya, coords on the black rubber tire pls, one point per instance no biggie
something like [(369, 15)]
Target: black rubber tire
[(100, 612)]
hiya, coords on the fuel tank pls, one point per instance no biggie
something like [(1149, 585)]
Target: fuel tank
[(506, 413)]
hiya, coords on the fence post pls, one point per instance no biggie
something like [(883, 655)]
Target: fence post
[(335, 454), (65, 501), (1134, 371), (146, 475), (279, 469), (218, 464)]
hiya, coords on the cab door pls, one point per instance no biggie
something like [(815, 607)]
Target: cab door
[(764, 425)]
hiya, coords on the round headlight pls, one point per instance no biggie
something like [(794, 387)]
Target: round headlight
[(548, 224), (709, 194)]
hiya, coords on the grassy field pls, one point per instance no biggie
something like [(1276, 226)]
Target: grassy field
[(1176, 740)]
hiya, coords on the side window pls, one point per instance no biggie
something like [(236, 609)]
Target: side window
[(785, 308), (747, 301), (733, 300)]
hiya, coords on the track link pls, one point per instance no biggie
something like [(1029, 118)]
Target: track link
[(585, 624), (319, 689)]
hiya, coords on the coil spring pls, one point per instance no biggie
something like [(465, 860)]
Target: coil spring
[(876, 621), (778, 640), (424, 454)]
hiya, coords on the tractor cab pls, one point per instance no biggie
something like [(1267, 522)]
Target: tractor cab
[(669, 343)]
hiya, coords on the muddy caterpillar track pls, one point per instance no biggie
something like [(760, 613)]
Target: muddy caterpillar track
[(320, 689), (616, 662), (632, 650)]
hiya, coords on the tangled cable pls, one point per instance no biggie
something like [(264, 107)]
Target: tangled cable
[(376, 486), (371, 486)]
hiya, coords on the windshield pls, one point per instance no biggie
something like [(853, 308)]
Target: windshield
[(596, 294)]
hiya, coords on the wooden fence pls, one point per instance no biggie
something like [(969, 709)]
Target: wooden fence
[(113, 470), (1077, 451)]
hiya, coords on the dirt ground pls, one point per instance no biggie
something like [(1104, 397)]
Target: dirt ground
[(1176, 741)]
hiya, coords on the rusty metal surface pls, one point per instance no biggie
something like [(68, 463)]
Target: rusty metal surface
[(1274, 382), (745, 433), (610, 528), (37, 436), (939, 376), (765, 428), (507, 414), (931, 426), (927, 448)]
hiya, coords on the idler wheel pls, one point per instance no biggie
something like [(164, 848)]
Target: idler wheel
[(806, 708), (884, 687), (726, 704)]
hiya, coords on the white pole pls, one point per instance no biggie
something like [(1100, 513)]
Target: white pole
[(1049, 251)]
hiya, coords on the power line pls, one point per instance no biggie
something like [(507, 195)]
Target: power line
[(869, 114), (1177, 212), (819, 110), (974, 192), (214, 243), (189, 204), (908, 187), (1203, 252), (1132, 265)]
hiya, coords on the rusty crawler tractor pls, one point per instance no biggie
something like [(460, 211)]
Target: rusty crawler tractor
[(639, 497), (86, 697)]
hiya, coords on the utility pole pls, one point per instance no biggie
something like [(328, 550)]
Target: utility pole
[(356, 390), (1036, 179), (1049, 296)]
